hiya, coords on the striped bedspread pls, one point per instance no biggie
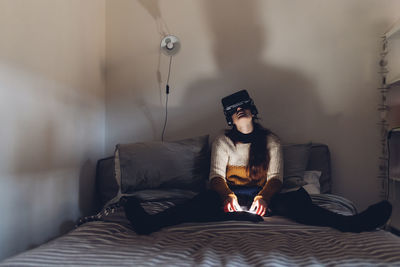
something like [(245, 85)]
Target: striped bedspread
[(277, 241)]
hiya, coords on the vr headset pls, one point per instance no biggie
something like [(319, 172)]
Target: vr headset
[(238, 99)]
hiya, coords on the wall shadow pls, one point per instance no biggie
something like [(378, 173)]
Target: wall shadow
[(285, 97), (153, 8)]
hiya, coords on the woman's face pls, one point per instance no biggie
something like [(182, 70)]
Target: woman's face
[(242, 117)]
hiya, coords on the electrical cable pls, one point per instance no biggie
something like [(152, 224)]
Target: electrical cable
[(166, 99)]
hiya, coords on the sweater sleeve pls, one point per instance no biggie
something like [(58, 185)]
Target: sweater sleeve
[(219, 185), (219, 162), (275, 169)]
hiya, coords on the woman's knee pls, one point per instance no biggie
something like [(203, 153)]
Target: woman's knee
[(302, 197), (290, 204)]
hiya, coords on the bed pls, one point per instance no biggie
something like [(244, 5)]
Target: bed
[(106, 239)]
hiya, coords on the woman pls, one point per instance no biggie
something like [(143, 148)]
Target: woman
[(246, 174)]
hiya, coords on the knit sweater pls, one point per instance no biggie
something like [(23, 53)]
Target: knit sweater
[(229, 162)]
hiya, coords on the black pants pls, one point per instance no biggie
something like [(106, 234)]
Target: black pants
[(296, 205)]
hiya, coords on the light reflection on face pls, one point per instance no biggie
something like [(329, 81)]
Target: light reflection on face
[(242, 116)]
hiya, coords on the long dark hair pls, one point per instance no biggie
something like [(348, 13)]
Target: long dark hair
[(258, 155)]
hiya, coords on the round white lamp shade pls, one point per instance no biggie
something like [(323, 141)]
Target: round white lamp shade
[(170, 45)]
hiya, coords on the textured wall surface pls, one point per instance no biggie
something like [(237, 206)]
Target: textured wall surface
[(52, 116)]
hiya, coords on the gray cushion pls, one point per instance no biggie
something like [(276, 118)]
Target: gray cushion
[(180, 164), (319, 159), (295, 160)]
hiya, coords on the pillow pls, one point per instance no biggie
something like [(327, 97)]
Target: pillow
[(180, 164), (311, 178), (293, 182), (295, 160)]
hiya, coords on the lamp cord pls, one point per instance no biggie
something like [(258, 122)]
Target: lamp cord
[(166, 99)]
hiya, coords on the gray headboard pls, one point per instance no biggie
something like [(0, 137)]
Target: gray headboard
[(106, 185), (320, 160)]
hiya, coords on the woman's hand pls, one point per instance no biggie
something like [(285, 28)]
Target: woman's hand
[(231, 204), (259, 206)]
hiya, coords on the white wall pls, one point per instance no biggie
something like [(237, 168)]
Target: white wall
[(52, 116), (311, 67)]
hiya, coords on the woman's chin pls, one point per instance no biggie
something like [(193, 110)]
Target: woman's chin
[(244, 118)]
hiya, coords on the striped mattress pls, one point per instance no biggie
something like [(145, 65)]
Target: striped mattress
[(107, 240)]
